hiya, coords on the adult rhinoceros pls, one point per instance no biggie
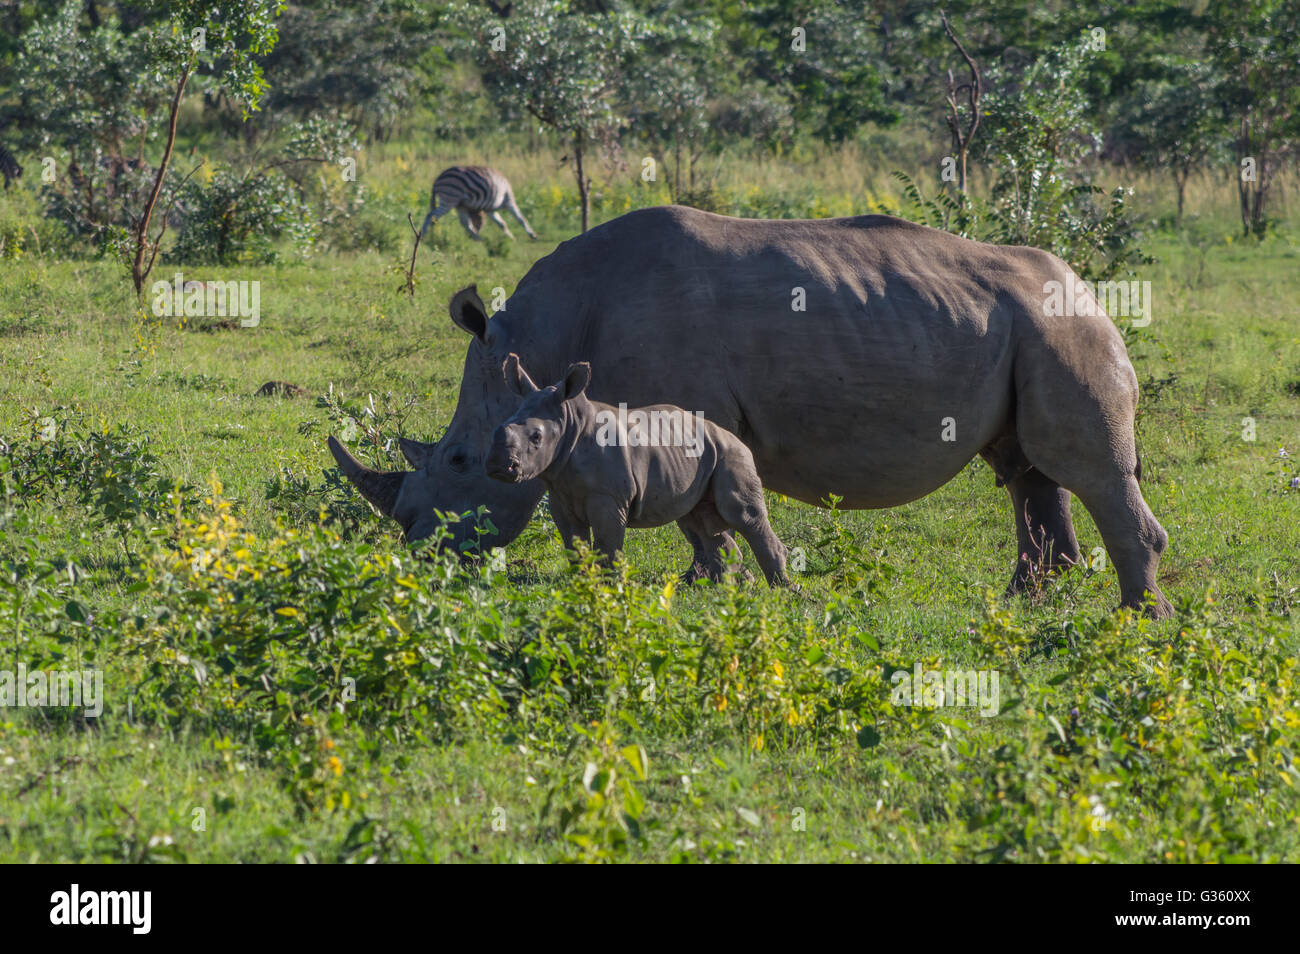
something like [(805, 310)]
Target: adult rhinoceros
[(865, 357)]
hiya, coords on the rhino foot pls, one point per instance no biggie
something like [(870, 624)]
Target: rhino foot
[(700, 573)]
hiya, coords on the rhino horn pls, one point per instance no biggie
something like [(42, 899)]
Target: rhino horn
[(381, 489), (417, 453)]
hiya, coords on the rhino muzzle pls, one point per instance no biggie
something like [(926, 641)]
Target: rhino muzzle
[(502, 465)]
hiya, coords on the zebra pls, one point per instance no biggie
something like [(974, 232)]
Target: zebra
[(471, 191), (9, 167)]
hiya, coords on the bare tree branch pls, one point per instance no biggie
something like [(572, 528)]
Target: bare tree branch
[(962, 140)]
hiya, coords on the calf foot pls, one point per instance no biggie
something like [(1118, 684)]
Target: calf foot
[(694, 574)]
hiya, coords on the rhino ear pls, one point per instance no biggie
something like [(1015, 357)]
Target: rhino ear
[(417, 453), (517, 379), (575, 380), (468, 312)]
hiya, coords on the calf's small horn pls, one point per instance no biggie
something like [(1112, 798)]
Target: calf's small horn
[(381, 489)]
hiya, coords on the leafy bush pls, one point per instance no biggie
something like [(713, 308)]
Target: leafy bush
[(1185, 746), (1042, 195), (308, 652), (45, 625), (233, 219), (111, 473)]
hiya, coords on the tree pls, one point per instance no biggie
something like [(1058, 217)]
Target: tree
[(671, 104), (223, 36), (105, 88), (961, 138), (1038, 140), (1171, 124), (364, 60), (564, 68), (818, 55), (84, 95), (1256, 49)]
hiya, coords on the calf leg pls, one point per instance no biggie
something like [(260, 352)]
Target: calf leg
[(608, 523), (716, 555), (738, 496), (568, 525)]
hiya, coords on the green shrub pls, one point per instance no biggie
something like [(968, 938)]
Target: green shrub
[(233, 219)]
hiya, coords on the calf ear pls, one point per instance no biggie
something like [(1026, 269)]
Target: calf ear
[(468, 312), (575, 380), (517, 378)]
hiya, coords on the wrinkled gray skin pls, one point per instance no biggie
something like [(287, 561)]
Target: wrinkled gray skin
[(598, 488), (904, 326)]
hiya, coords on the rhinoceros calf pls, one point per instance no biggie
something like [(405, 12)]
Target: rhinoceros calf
[(604, 476), (869, 358)]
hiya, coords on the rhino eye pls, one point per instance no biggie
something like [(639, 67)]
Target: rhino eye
[(457, 460), (535, 437)]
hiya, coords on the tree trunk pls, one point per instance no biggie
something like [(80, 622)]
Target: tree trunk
[(139, 271), (584, 185), (1243, 188), (1263, 183), (677, 166)]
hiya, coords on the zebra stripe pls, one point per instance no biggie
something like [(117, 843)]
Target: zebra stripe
[(472, 191), (9, 167)]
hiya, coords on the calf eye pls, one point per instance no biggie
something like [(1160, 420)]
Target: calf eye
[(535, 437)]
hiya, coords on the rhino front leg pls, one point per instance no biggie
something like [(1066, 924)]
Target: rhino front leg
[(608, 523), (568, 525)]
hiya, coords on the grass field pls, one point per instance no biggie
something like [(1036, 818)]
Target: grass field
[(767, 731)]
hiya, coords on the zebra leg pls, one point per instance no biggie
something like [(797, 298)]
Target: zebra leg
[(496, 217), (513, 208), (436, 211), (469, 225)]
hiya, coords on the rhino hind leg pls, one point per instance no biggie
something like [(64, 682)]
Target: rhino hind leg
[(738, 500), (1045, 540), (1134, 540), (1078, 434), (715, 556)]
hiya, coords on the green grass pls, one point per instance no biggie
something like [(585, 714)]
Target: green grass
[(1224, 345)]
